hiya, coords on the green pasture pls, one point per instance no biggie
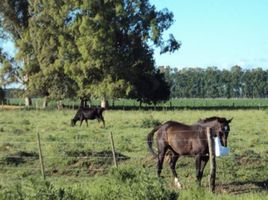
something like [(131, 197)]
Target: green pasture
[(79, 165)]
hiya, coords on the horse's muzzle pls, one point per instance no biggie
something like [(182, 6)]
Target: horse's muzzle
[(72, 122)]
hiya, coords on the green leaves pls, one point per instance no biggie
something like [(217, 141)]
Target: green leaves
[(100, 46)]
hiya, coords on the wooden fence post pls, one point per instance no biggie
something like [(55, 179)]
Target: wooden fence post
[(113, 149), (212, 158), (41, 156)]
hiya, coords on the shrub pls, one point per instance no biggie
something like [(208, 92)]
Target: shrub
[(140, 185), (149, 123), (41, 190)]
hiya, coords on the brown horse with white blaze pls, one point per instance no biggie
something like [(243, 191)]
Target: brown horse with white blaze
[(182, 139)]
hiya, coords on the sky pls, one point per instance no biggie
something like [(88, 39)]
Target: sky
[(220, 33)]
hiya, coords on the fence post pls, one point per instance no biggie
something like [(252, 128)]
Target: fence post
[(113, 149), (212, 158), (41, 156)]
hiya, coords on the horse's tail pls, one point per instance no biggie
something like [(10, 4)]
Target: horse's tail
[(150, 138)]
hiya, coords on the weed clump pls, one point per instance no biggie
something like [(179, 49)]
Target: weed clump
[(149, 123)]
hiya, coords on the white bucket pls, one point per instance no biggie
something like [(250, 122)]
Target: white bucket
[(219, 149)]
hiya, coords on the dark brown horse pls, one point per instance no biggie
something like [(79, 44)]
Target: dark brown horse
[(88, 113), (181, 139)]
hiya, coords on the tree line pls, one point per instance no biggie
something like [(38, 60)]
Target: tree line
[(215, 83)]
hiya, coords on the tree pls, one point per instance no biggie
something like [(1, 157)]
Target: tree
[(88, 45), (247, 84), (111, 42), (259, 82), (14, 16), (212, 82), (50, 79), (236, 82), (35, 34), (225, 83)]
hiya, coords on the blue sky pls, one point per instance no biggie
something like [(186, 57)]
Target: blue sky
[(219, 33)]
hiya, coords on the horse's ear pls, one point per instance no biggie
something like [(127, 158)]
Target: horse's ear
[(229, 121)]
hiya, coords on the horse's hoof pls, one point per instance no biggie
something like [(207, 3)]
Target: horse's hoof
[(177, 183)]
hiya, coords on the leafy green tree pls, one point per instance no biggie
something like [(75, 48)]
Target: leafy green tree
[(259, 82), (49, 79), (225, 83), (103, 47), (112, 43), (13, 24), (212, 82), (247, 84), (236, 81)]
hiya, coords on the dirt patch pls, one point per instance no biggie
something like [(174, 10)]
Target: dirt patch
[(10, 107), (18, 158), (248, 157), (89, 162), (237, 188)]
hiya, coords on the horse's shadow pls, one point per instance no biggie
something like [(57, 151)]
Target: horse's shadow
[(244, 187)]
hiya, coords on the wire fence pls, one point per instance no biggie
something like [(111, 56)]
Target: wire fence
[(26, 162), (132, 104)]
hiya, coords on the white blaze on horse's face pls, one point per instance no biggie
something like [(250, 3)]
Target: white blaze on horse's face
[(225, 128), (177, 183)]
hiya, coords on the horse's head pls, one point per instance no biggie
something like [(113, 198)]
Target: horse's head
[(220, 125), (223, 130), (73, 122)]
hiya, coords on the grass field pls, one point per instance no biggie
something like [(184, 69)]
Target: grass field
[(79, 165)]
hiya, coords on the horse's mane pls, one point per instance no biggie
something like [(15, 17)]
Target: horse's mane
[(209, 119)]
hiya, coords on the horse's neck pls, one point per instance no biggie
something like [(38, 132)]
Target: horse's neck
[(210, 124)]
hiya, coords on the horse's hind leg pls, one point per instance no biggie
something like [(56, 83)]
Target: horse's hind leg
[(161, 157), (172, 163), (200, 163)]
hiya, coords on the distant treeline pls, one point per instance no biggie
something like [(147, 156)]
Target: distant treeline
[(205, 83), (215, 83)]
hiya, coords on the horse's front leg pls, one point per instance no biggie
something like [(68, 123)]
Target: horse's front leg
[(200, 163), (172, 163), (103, 122), (86, 122)]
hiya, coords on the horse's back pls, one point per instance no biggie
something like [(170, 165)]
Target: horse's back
[(182, 138), (178, 127)]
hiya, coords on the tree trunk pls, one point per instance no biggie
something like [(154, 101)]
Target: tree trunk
[(28, 101), (45, 102), (104, 103), (59, 105), (84, 103), (140, 105)]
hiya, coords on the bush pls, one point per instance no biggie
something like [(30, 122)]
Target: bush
[(41, 190), (149, 123), (138, 185)]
